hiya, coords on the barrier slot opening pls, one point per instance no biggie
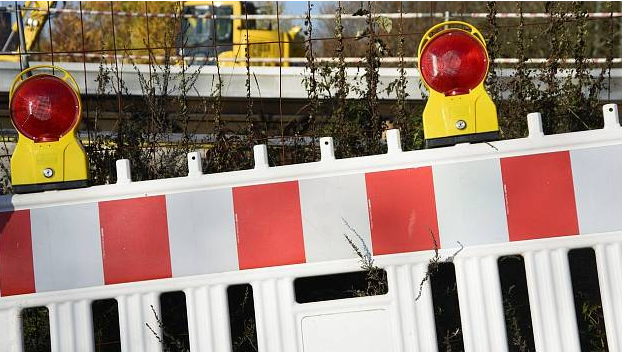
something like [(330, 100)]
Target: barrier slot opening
[(36, 329), (588, 305), (174, 321), (242, 318), (516, 309), (339, 286), (106, 333), (446, 307)]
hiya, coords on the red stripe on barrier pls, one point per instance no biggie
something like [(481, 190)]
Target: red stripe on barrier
[(539, 196), (268, 225), (134, 236), (402, 210), (17, 274)]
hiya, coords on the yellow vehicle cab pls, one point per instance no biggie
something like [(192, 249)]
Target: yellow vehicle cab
[(34, 18), (46, 109), (228, 37), (454, 63)]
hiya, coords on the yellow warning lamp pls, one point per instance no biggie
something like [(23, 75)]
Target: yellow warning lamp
[(453, 62), (45, 109)]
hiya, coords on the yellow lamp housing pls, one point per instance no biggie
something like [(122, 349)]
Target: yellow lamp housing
[(46, 109), (454, 63)]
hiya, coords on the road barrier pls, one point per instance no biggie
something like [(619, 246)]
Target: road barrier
[(538, 197)]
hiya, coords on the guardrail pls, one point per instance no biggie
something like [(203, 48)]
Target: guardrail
[(321, 16), (267, 80)]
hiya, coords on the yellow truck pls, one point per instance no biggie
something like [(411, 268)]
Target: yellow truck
[(230, 37), (203, 37), (34, 20)]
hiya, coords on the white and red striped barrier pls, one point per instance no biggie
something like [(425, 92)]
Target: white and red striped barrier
[(538, 197), (494, 198)]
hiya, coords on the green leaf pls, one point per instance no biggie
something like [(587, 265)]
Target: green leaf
[(385, 23)]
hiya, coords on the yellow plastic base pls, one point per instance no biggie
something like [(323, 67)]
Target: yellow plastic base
[(31, 162), (442, 114)]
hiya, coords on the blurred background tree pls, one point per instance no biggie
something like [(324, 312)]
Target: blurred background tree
[(129, 31)]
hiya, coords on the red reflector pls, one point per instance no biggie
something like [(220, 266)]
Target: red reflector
[(453, 62), (44, 108)]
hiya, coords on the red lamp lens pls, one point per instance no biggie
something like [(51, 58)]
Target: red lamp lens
[(454, 62), (44, 108)]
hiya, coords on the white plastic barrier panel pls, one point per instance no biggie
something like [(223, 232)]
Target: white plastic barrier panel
[(537, 196)]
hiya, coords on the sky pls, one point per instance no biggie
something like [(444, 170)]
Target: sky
[(299, 7)]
